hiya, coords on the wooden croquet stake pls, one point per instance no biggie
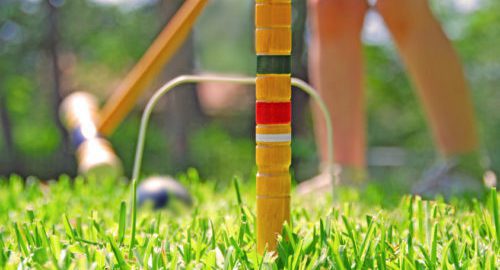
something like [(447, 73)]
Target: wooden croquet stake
[(273, 115), (162, 49)]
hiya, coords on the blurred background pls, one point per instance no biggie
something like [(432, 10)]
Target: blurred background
[(49, 48)]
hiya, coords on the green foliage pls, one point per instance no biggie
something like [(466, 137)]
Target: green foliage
[(225, 43), (220, 155), (35, 135), (79, 224), (481, 57), (389, 122), (99, 43)]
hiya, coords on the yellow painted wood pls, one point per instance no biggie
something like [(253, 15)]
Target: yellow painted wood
[(271, 215), (273, 158), (273, 129), (151, 63), (273, 1), (273, 193), (273, 36), (268, 144), (273, 15), (273, 88), (273, 41), (273, 185)]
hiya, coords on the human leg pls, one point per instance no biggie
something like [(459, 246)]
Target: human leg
[(436, 71), (336, 70), (438, 75)]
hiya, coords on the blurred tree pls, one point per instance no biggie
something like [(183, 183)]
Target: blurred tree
[(98, 43), (33, 137), (7, 134), (299, 68), (52, 44), (182, 108), (304, 159), (478, 39)]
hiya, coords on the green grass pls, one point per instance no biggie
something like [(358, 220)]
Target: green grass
[(81, 225)]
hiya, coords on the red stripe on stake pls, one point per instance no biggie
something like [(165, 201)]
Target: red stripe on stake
[(273, 112)]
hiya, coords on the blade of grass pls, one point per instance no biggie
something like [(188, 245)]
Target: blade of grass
[(69, 229), (411, 228), (237, 190), (495, 213), (3, 255), (366, 244), (134, 217), (350, 233), (454, 254), (118, 255), (427, 258), (23, 248), (336, 255), (434, 245), (122, 222)]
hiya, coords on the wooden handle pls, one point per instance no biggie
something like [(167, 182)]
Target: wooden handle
[(273, 116), (162, 49)]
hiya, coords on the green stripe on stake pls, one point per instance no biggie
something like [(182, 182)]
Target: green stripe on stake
[(274, 64)]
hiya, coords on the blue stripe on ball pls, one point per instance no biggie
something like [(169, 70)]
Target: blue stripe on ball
[(159, 190)]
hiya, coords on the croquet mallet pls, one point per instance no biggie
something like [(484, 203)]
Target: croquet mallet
[(88, 125)]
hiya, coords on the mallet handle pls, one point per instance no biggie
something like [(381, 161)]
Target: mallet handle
[(273, 116), (162, 49)]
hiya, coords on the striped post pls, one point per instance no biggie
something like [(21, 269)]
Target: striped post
[(273, 43)]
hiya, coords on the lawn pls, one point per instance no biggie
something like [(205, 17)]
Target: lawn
[(77, 224)]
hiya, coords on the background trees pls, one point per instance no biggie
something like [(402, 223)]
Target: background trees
[(49, 48)]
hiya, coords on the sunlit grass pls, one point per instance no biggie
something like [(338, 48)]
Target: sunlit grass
[(85, 224)]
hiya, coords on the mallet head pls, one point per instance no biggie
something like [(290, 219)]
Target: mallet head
[(95, 156)]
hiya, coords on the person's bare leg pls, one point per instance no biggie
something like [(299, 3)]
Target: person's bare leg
[(438, 75), (336, 70), (436, 71)]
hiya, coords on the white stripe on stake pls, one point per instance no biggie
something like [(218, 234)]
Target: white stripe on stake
[(273, 137)]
